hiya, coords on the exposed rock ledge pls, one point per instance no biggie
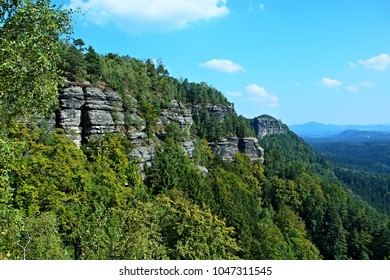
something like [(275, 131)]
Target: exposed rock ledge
[(266, 126), (87, 110), (228, 147)]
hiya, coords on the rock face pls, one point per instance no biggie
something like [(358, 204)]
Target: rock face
[(251, 147), (266, 125), (219, 110), (228, 147), (144, 155), (177, 114), (86, 111)]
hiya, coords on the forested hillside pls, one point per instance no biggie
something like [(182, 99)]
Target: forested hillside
[(59, 200), (363, 166)]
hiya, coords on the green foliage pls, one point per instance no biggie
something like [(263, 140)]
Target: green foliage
[(215, 127), (172, 169), (30, 47), (73, 64), (295, 234), (362, 167), (149, 113), (368, 156), (340, 224), (237, 197), (122, 233), (93, 65), (30, 237), (192, 233), (375, 188), (58, 201)]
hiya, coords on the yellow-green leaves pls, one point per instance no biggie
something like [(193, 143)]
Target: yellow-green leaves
[(30, 51), (190, 232)]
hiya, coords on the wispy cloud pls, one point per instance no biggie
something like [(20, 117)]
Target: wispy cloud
[(352, 88), (330, 83), (223, 65), (150, 15), (234, 93), (357, 87), (367, 84), (379, 62), (259, 94)]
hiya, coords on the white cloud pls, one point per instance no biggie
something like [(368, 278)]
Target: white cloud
[(352, 88), (234, 93), (379, 63), (367, 84), (150, 15), (259, 94), (330, 83), (223, 65)]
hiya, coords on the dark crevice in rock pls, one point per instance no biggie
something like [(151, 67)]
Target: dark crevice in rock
[(241, 145), (57, 118), (84, 124)]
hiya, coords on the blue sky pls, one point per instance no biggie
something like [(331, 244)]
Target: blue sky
[(299, 61)]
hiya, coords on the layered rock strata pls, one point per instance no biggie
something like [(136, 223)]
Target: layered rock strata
[(266, 126), (228, 147), (86, 111)]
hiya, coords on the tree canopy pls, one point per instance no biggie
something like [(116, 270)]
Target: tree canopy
[(30, 45)]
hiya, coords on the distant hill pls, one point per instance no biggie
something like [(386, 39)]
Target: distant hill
[(361, 136), (319, 130)]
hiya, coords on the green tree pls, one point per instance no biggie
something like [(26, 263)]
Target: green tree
[(79, 43), (30, 45), (149, 112), (73, 64), (295, 234), (190, 232), (93, 65), (122, 233)]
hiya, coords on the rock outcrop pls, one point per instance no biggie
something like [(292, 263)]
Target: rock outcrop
[(228, 147), (251, 147), (177, 114), (266, 125), (219, 110), (86, 111)]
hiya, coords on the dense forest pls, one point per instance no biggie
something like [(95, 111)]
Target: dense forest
[(61, 201), (363, 166), (369, 156)]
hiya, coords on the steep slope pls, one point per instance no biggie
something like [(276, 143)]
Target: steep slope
[(88, 111), (335, 217)]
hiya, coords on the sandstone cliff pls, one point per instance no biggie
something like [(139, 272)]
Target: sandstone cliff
[(266, 125), (228, 147), (86, 111)]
